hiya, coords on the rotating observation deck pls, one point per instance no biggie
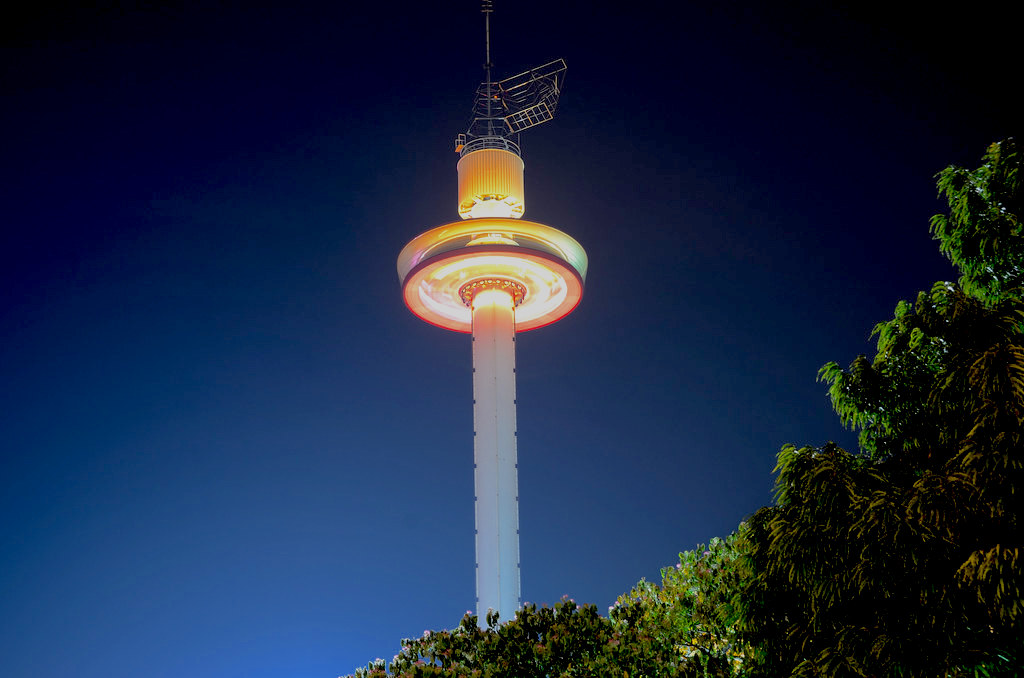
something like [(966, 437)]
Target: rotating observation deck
[(439, 268)]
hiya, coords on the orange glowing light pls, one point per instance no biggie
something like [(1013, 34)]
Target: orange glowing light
[(491, 184), (544, 262), (492, 298), (519, 232)]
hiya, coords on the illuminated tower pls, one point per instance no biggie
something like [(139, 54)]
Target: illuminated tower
[(493, 274)]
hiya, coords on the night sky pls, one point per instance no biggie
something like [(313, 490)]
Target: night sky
[(228, 450)]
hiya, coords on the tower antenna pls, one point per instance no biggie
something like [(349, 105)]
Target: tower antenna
[(487, 7), (494, 274), (503, 109)]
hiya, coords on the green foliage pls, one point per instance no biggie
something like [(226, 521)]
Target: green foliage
[(905, 558), (695, 608), (982, 234), (566, 640), (684, 628)]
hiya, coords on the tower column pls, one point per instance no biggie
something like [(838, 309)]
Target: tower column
[(494, 454)]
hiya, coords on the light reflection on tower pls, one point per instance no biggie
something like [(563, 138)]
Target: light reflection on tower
[(494, 274)]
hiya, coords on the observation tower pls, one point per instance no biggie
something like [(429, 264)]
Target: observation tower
[(493, 274)]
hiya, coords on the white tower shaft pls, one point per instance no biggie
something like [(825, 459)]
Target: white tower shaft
[(494, 454)]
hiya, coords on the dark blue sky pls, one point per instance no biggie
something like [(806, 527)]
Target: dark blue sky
[(227, 448)]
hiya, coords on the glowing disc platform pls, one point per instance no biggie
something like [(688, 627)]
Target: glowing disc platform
[(547, 266)]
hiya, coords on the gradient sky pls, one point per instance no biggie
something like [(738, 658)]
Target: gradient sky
[(227, 448)]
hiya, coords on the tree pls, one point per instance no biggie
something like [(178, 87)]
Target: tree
[(564, 640), (695, 609), (905, 558), (684, 628)]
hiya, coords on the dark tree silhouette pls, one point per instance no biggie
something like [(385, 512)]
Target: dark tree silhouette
[(904, 559)]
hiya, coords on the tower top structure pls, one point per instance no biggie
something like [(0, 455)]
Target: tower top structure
[(494, 274), (547, 266), (503, 109)]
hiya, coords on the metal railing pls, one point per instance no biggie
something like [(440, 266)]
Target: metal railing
[(480, 143)]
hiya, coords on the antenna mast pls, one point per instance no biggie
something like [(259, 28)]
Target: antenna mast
[(503, 109), (487, 7)]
